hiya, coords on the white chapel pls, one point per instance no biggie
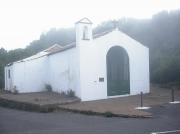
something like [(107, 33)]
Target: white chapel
[(110, 64)]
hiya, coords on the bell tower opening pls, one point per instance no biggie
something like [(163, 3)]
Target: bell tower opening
[(83, 30), (85, 33)]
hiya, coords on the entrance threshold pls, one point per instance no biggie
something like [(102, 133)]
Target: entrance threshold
[(115, 96)]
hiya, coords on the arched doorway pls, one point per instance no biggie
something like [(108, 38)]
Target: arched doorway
[(117, 61)]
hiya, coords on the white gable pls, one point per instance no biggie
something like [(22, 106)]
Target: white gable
[(84, 20)]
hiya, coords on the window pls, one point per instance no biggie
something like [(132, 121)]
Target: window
[(9, 74), (85, 33)]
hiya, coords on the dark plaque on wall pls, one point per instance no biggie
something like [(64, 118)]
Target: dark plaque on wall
[(101, 79)]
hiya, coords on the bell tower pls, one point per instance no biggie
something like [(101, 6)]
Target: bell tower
[(83, 30)]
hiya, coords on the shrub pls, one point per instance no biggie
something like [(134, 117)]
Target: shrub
[(62, 93), (108, 114), (15, 91), (167, 70), (48, 87), (70, 93)]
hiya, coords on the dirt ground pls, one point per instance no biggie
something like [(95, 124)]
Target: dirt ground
[(122, 106), (126, 105)]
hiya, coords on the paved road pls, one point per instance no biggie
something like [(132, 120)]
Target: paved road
[(21, 122)]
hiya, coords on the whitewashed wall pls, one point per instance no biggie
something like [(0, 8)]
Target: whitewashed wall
[(60, 70), (30, 76), (93, 65), (64, 71)]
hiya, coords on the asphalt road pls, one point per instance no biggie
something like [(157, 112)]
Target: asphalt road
[(20, 122)]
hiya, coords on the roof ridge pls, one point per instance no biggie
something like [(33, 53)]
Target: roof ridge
[(102, 33), (51, 47), (81, 21)]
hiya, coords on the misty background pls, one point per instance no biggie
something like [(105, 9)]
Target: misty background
[(161, 34)]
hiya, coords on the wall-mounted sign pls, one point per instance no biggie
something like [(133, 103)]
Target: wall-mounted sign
[(101, 79)]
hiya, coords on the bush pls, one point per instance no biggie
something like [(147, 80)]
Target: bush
[(108, 114), (70, 93), (48, 87), (62, 93), (15, 91), (167, 70)]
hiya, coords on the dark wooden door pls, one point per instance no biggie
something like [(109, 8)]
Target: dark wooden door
[(118, 82)]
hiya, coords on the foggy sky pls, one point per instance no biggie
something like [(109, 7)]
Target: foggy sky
[(22, 21)]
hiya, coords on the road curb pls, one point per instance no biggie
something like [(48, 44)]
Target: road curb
[(27, 106), (105, 114), (53, 107)]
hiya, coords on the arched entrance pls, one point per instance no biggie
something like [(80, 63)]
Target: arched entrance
[(117, 61)]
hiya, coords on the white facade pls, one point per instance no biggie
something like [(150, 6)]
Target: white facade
[(80, 66)]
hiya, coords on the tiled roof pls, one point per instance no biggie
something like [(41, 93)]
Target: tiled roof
[(57, 48), (53, 48), (66, 47), (102, 34)]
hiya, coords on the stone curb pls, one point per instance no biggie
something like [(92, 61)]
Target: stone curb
[(32, 106), (105, 114), (27, 106)]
